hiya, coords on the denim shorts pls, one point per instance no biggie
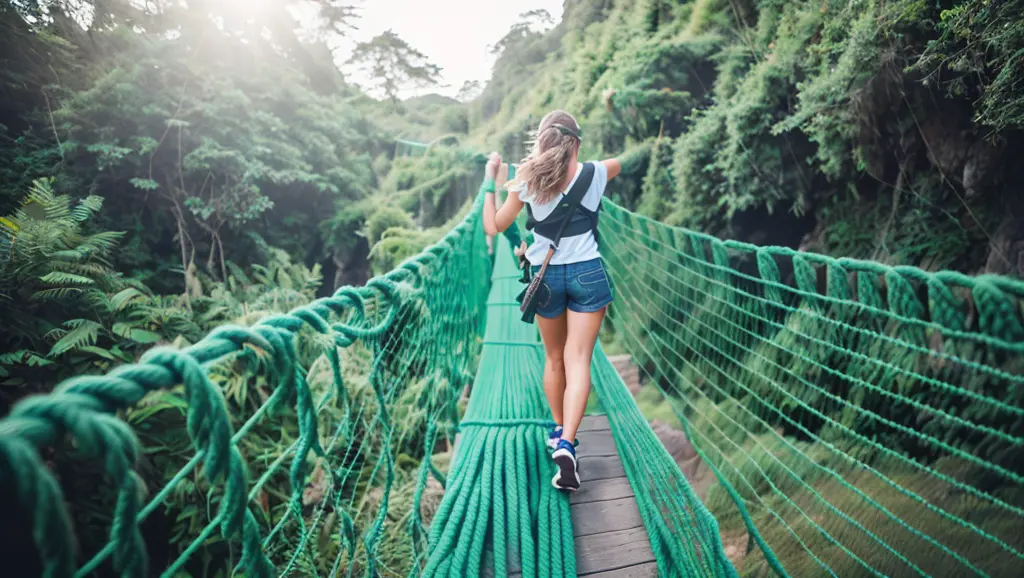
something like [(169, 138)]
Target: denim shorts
[(579, 287)]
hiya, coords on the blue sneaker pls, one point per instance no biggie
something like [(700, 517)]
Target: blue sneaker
[(567, 478), (555, 435)]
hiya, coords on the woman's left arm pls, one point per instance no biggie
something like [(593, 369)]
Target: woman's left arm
[(497, 220)]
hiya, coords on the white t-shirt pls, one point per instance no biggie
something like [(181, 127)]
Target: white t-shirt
[(575, 249)]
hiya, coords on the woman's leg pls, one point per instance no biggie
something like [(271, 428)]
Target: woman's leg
[(579, 349), (552, 333)]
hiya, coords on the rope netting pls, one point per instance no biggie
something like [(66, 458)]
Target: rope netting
[(321, 470), (859, 420), (865, 419), (501, 516), (500, 512)]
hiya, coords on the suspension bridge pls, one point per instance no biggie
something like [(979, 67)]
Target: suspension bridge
[(858, 420)]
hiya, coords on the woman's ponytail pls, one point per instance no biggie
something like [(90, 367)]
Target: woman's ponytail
[(554, 147)]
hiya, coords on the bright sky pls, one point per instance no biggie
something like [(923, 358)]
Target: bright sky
[(453, 34)]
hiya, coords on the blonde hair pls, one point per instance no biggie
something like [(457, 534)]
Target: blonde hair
[(554, 146)]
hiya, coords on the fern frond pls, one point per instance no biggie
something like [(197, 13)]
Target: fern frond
[(125, 298), (262, 275), (236, 274), (85, 332), (68, 255), (92, 270), (101, 243), (8, 227), (24, 357), (62, 278), (86, 208), (40, 192), (76, 323), (56, 293)]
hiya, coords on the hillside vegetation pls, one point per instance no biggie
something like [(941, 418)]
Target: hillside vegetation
[(882, 130)]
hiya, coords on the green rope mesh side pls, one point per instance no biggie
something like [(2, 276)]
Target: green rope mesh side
[(407, 344), (861, 419), (500, 514), (684, 536)]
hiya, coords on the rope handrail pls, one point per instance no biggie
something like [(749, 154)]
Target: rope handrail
[(846, 417), (82, 407)]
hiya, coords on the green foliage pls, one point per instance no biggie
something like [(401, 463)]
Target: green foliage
[(384, 218), (657, 182), (195, 137), (791, 107), (67, 312), (65, 309), (979, 55)]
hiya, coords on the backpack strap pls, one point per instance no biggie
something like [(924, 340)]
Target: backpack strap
[(574, 198), (570, 202), (580, 222)]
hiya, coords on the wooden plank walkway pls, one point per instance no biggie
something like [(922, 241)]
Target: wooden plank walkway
[(611, 541), (610, 535)]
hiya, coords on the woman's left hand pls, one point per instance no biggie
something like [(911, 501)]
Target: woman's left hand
[(521, 253)]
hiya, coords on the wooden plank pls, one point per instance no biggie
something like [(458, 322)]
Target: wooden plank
[(648, 570), (601, 490), (612, 551), (600, 468), (594, 423), (596, 443), (606, 516)]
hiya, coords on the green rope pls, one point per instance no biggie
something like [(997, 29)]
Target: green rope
[(498, 499), (857, 419), (830, 419), (388, 315)]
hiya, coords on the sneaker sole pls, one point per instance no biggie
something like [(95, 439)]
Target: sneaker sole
[(567, 478)]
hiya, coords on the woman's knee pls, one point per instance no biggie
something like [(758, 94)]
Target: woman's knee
[(576, 353), (554, 359)]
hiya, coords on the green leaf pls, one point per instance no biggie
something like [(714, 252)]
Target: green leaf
[(99, 352), (122, 329), (124, 298), (144, 184), (144, 336)]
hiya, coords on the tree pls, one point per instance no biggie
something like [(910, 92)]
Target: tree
[(531, 24), (393, 64), (470, 90)]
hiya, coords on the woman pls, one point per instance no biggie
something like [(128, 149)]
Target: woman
[(575, 292)]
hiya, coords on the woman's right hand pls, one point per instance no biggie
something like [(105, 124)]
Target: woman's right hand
[(502, 176), (491, 171)]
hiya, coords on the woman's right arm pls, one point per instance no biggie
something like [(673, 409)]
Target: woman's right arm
[(613, 167)]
